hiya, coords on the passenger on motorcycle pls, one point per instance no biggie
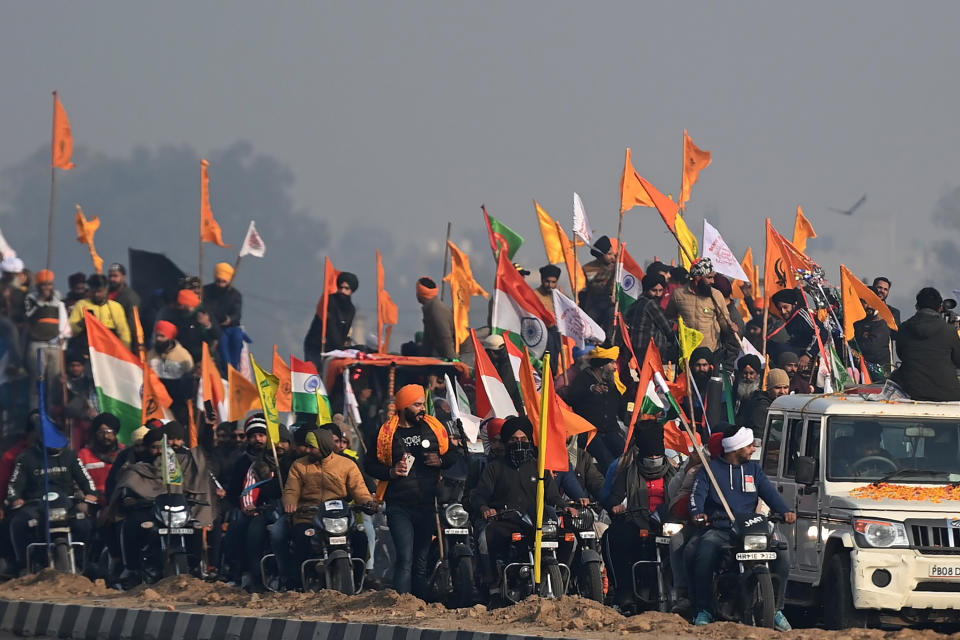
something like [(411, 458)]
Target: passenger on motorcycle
[(101, 451), (638, 492), (743, 483)]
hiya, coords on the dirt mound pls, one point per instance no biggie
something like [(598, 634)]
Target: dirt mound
[(563, 614), (188, 590), (50, 584)]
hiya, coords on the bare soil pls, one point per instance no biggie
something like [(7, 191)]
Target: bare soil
[(569, 617)]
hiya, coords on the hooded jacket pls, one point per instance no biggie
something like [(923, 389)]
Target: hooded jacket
[(313, 483), (742, 486), (63, 468), (929, 351), (503, 485)]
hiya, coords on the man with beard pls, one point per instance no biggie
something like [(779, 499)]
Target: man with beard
[(596, 394), (411, 450), (595, 298), (753, 410), (439, 335), (496, 349), (708, 405), (109, 312), (747, 378), (194, 325), (76, 290), (639, 488), (646, 320), (701, 306), (340, 313), (101, 451), (47, 330), (872, 336), (549, 279), (121, 292), (929, 351), (319, 476), (800, 326), (222, 457), (789, 362), (225, 304), (881, 286), (174, 366), (509, 483)]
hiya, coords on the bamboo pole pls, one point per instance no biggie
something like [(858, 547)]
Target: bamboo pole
[(53, 183)]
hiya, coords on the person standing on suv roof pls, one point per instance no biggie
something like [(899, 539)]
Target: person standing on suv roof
[(929, 351)]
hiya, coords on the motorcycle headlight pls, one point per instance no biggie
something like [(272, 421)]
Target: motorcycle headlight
[(176, 519), (335, 526), (549, 530), (754, 542), (58, 514), (456, 516), (672, 528), (881, 533)]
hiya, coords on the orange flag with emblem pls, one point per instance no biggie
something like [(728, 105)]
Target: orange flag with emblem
[(781, 263), (854, 293), (209, 227), (695, 160), (802, 231), (244, 395), (387, 313), (86, 230), (62, 137), (463, 286), (632, 193), (284, 392)]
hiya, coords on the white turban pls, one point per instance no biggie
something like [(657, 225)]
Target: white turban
[(742, 438)]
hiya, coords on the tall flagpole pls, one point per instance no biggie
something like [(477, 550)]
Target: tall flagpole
[(576, 265), (53, 184), (200, 237), (446, 256), (766, 301), (613, 291)]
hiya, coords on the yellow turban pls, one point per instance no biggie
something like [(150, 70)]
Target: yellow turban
[(223, 271), (611, 353)]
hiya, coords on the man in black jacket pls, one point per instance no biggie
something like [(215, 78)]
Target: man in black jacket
[(929, 351), (339, 318), (224, 303), (596, 394), (646, 320)]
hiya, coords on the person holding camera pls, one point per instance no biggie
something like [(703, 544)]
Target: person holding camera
[(929, 351)]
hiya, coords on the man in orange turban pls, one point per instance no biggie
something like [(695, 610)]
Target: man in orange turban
[(47, 328), (224, 303), (194, 324), (412, 448)]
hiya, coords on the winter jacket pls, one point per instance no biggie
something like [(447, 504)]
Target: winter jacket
[(753, 410), (742, 485), (439, 336), (66, 475), (419, 487), (333, 478), (929, 351), (111, 314), (646, 320), (504, 486), (600, 408), (872, 337), (223, 303), (707, 315)]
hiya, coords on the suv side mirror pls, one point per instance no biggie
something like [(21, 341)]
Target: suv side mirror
[(805, 471)]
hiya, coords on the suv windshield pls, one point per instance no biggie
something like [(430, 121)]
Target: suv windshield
[(867, 449)]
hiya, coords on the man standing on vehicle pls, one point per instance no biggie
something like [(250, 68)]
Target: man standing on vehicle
[(743, 483), (411, 449)]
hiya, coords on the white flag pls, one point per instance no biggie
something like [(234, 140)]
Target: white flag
[(581, 226), (747, 348), (6, 251), (253, 243), (573, 322), (719, 253), (350, 405), (460, 409)]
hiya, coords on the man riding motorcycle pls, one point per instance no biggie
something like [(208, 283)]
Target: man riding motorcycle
[(743, 483)]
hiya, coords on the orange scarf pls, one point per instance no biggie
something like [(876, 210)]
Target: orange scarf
[(385, 444)]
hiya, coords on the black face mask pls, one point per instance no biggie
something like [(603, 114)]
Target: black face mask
[(520, 452)]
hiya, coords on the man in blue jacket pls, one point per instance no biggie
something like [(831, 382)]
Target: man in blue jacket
[(743, 482)]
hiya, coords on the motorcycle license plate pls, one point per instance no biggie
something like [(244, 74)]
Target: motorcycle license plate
[(757, 555), (588, 534), (663, 540), (944, 571), (338, 540), (550, 544), (175, 532), (457, 532)]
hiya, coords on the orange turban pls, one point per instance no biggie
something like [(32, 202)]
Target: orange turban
[(408, 395), (167, 329), (44, 276), (223, 271), (427, 289), (188, 298)]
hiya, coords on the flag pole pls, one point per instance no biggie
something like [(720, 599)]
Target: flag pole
[(613, 291), (541, 463), (446, 256), (200, 237), (53, 183), (766, 302), (576, 265)]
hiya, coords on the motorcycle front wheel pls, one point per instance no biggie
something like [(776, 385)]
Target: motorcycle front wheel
[(463, 591), (551, 585), (61, 557), (591, 581), (341, 576), (761, 606)]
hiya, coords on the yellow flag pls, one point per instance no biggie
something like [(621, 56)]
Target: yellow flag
[(548, 229), (690, 339), (267, 386), (802, 231), (463, 286), (688, 241)]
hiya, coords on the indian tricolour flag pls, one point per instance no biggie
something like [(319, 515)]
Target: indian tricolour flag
[(629, 280), (308, 391), (118, 378), (516, 308)]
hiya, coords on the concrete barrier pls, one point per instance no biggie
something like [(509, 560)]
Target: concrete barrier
[(46, 619)]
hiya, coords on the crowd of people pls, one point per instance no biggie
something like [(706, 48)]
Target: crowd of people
[(250, 496)]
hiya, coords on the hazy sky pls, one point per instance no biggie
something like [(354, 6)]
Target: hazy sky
[(406, 115)]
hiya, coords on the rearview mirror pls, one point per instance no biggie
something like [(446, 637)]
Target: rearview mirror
[(919, 432), (806, 470)]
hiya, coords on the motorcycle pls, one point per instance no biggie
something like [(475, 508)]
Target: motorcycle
[(583, 557), (332, 565), (517, 579), (61, 552), (172, 527), (452, 580), (743, 585)]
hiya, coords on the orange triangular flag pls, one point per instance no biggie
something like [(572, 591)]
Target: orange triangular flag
[(551, 237), (330, 276), (632, 193), (463, 286), (285, 391), (695, 160), (802, 231), (62, 136), (782, 262), (209, 227), (86, 229), (578, 279), (667, 208), (853, 291), (750, 269), (243, 394), (155, 397), (387, 312), (212, 382)]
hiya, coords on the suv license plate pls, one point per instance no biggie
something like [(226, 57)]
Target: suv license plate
[(175, 532), (338, 540), (944, 571), (456, 532), (757, 555)]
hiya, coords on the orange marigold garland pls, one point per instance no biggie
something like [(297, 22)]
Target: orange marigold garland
[(903, 492)]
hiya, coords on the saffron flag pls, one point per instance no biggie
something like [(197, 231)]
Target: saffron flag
[(62, 137), (802, 231), (573, 322), (86, 229), (253, 243), (387, 313), (581, 225), (854, 294), (309, 392), (578, 279), (782, 263), (282, 371), (267, 385), (463, 286), (551, 235), (667, 208), (209, 227), (632, 192), (330, 276), (750, 270), (118, 377), (517, 308), (695, 160), (629, 280), (719, 253), (213, 391), (501, 236), (244, 396), (493, 401), (690, 250), (557, 458)]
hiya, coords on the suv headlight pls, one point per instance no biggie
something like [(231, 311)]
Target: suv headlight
[(881, 533), (455, 515), (754, 542), (549, 530), (335, 526)]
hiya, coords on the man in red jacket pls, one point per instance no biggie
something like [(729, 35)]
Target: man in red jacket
[(101, 451)]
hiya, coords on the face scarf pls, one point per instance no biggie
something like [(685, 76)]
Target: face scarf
[(520, 452), (321, 440)]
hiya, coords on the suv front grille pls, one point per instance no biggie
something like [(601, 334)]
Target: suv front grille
[(933, 538)]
